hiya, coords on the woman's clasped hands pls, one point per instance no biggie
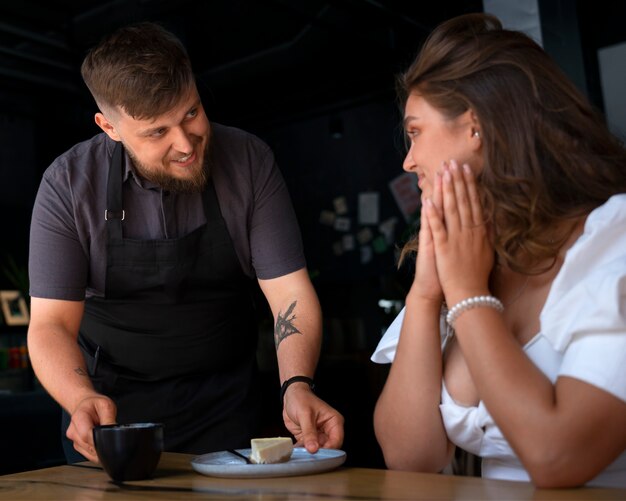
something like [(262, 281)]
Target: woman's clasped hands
[(455, 255)]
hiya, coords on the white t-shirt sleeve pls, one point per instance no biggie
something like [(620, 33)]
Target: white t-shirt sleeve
[(386, 350), (598, 359), (585, 313)]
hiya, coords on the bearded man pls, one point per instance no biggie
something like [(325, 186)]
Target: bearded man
[(145, 241)]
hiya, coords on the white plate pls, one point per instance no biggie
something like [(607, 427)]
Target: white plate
[(226, 464)]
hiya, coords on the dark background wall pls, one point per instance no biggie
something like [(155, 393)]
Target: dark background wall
[(313, 78)]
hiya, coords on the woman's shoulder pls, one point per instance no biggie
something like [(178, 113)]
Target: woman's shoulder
[(603, 240), (612, 212), (588, 292)]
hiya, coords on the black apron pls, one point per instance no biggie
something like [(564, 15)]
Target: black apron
[(174, 338)]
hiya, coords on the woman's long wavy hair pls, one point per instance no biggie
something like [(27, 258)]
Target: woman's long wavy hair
[(548, 156)]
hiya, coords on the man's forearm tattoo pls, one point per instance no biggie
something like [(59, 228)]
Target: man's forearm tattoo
[(284, 325)]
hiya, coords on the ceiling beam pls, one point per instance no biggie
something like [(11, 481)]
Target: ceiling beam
[(34, 37), (38, 79), (36, 59)]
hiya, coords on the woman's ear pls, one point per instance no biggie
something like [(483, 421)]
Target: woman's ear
[(475, 130), (107, 126)]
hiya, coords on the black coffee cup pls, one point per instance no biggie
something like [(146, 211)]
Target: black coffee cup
[(129, 451)]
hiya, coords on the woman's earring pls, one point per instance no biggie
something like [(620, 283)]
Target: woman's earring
[(476, 134)]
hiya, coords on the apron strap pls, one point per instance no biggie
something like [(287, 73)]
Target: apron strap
[(212, 211), (114, 213)]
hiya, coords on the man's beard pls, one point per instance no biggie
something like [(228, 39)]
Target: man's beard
[(195, 184)]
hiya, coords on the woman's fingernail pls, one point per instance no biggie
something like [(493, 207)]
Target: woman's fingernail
[(466, 168)]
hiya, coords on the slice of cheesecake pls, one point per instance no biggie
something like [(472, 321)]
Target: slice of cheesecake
[(271, 450)]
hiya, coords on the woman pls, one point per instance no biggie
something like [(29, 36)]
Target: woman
[(523, 237)]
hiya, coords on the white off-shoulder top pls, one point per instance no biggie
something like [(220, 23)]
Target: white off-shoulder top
[(582, 335)]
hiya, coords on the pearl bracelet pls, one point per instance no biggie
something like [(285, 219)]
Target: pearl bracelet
[(472, 302)]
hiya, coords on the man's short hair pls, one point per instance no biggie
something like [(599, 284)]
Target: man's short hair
[(142, 68)]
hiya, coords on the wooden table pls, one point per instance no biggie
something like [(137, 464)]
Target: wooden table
[(175, 479)]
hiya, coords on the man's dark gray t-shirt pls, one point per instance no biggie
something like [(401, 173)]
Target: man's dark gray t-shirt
[(68, 232)]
